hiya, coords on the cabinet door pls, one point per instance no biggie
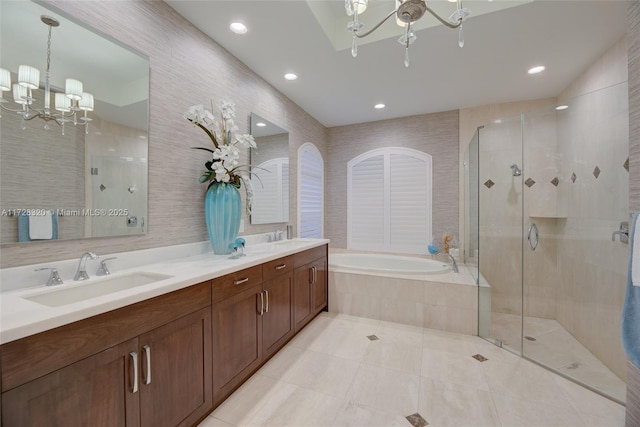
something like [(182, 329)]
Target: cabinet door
[(320, 285), (302, 278), (237, 340), (175, 371), (277, 321), (96, 391)]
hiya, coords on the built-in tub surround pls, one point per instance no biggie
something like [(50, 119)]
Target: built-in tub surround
[(442, 301), (171, 268)]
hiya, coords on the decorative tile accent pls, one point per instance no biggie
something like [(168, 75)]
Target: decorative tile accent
[(555, 181), (596, 172), (416, 420), (372, 337), (529, 182), (488, 183), (479, 358), (573, 177), (626, 165)]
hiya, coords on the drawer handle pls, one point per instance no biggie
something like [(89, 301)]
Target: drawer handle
[(241, 281), (147, 376), (266, 310), (281, 266), (134, 362)]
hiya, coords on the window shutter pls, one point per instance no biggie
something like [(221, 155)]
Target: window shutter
[(389, 201), (311, 191)]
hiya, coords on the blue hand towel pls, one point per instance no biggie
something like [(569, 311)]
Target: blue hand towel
[(631, 310), (23, 226)]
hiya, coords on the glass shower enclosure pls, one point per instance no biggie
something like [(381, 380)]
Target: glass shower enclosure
[(545, 192)]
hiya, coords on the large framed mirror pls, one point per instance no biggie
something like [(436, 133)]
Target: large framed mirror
[(76, 167), (269, 172)]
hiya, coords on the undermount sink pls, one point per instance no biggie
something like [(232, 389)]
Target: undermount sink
[(82, 291)]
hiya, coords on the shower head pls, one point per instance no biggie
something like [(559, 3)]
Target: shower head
[(515, 170)]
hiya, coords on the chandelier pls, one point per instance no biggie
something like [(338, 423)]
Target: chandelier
[(407, 12), (67, 105)]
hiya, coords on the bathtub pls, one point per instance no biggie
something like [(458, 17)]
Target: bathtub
[(417, 291), (387, 264)]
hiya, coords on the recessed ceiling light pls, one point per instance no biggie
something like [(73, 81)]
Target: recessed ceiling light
[(260, 124), (537, 69), (290, 76), (562, 107), (379, 106), (238, 27)]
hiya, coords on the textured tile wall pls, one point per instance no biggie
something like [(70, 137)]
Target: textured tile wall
[(435, 134), (182, 60), (633, 44)]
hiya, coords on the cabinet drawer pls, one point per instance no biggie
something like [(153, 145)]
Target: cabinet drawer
[(234, 283), (310, 255), (277, 267)]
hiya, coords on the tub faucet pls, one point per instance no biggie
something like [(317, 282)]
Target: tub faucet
[(81, 273), (454, 265)]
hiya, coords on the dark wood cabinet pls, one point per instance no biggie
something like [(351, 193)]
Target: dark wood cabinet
[(252, 319), (237, 339), (277, 320), (175, 372), (147, 364), (95, 391), (310, 286)]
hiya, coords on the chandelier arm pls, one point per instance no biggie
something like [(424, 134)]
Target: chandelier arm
[(10, 109), (443, 21), (376, 27)]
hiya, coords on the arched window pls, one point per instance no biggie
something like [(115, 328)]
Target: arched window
[(310, 191), (389, 201)]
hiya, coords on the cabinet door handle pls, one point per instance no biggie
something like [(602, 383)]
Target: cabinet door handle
[(266, 293), (281, 266), (311, 275), (241, 281), (315, 274), (147, 374), (261, 303), (134, 362)]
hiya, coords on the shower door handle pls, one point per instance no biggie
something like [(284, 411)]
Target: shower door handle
[(533, 236)]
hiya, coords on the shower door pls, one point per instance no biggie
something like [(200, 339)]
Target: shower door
[(552, 188), (500, 225)]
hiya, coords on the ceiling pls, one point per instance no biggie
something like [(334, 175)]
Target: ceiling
[(309, 40)]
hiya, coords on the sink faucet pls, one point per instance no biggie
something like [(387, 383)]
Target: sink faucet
[(81, 273), (454, 265)]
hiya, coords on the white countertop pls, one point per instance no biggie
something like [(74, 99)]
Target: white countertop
[(20, 317)]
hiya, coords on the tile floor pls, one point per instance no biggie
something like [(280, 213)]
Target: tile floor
[(332, 374), (556, 348)]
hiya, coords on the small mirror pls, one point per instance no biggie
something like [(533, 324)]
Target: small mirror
[(269, 172), (75, 166)]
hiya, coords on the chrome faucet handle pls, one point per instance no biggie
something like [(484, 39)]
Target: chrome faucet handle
[(81, 273), (103, 270), (54, 277)]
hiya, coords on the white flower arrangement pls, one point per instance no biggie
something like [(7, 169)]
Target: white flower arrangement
[(224, 166)]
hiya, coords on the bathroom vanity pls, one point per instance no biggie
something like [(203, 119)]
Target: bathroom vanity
[(170, 359)]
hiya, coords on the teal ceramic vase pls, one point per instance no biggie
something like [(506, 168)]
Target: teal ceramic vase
[(222, 210)]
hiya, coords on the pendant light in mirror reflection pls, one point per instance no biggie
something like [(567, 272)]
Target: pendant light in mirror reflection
[(407, 12), (93, 183), (71, 106)]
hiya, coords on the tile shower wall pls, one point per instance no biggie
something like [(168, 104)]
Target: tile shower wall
[(594, 145), (435, 134), (181, 58)]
